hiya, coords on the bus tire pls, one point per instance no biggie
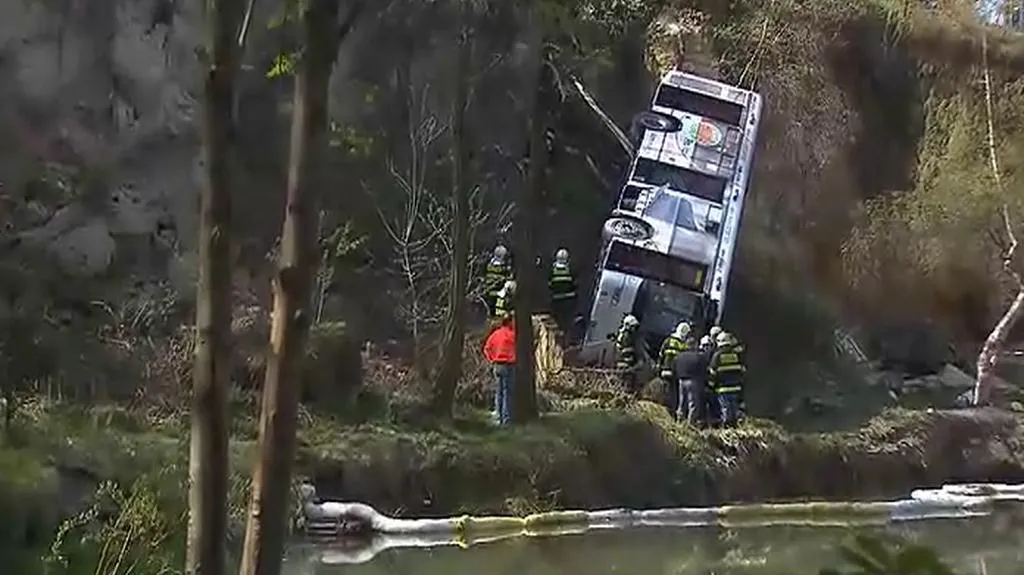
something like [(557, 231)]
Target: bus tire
[(653, 121), (627, 226)]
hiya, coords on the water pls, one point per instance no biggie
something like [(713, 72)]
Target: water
[(997, 542)]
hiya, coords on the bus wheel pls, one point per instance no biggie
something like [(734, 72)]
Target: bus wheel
[(627, 227), (655, 122)]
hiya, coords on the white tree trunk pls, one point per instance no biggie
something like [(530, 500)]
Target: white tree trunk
[(993, 349)]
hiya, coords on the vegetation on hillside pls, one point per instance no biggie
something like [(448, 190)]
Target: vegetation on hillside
[(892, 137)]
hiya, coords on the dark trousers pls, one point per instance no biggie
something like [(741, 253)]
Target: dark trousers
[(563, 312), (630, 380), (489, 301), (692, 403), (730, 407), (674, 397), (712, 408), (505, 374)]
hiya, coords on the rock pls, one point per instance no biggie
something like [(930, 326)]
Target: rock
[(85, 251), (952, 377), (131, 214), (917, 348)]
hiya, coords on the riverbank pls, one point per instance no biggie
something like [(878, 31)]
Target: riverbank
[(591, 458), (583, 457)]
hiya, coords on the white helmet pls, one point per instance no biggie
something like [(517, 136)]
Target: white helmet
[(500, 252), (705, 342), (723, 338), (630, 320), (562, 256), (682, 330), (715, 330)]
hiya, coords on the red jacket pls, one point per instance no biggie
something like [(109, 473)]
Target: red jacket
[(500, 346)]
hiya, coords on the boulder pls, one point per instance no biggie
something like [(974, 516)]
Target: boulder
[(87, 250), (915, 348)]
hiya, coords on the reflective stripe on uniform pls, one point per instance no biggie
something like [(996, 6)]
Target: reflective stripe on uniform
[(625, 349), (495, 276), (670, 349), (501, 306), (561, 283), (726, 361)]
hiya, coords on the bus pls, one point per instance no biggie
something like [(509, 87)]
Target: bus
[(668, 245)]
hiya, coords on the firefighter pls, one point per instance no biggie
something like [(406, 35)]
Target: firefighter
[(725, 374), (504, 301), (497, 274), (735, 343), (741, 351), (562, 288), (676, 342), (626, 357)]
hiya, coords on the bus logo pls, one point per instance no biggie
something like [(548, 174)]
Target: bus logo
[(709, 135)]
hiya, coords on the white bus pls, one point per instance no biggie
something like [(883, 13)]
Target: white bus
[(668, 246)]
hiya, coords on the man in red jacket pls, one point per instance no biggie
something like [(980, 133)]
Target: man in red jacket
[(500, 351)]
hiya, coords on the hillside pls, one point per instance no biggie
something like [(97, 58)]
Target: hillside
[(871, 206)]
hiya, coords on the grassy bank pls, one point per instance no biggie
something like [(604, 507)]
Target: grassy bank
[(585, 456)]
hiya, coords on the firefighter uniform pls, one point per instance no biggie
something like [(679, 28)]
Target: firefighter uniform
[(562, 287), (670, 348), (503, 302), (737, 347), (725, 374), (496, 275), (626, 358)]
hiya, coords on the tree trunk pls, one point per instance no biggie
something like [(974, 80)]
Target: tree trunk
[(524, 396), (458, 275), (268, 512), (988, 359), (208, 458)]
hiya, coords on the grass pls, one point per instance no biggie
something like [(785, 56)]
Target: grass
[(585, 456)]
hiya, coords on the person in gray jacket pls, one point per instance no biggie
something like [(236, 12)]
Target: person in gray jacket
[(690, 368)]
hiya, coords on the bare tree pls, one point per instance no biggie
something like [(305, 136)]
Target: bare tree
[(414, 243), (995, 343), (267, 523), (450, 369), (208, 458), (432, 233)]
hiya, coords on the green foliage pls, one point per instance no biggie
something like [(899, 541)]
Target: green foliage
[(133, 530), (585, 31), (354, 142), (876, 556), (283, 65), (947, 232)]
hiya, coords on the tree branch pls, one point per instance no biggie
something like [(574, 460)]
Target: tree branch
[(351, 17)]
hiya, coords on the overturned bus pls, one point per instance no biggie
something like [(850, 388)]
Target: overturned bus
[(668, 245)]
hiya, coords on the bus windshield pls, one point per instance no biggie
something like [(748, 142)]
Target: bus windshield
[(662, 306), (641, 262)]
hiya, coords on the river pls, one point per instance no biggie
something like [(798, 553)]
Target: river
[(992, 545)]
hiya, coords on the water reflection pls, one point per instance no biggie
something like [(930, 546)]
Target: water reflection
[(997, 542)]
